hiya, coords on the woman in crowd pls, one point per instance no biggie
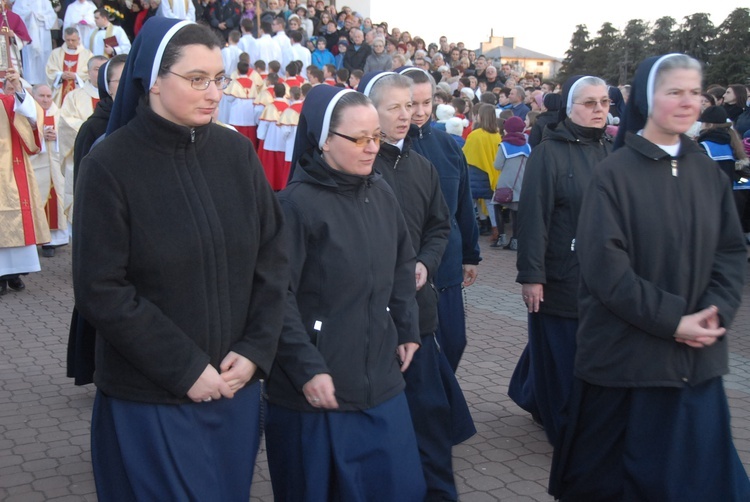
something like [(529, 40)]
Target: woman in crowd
[(338, 424), (662, 263), (511, 162), (559, 170), (480, 150), (724, 145), (735, 101), (548, 118), (180, 266)]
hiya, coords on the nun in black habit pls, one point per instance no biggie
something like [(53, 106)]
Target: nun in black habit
[(180, 267), (338, 424), (662, 262)]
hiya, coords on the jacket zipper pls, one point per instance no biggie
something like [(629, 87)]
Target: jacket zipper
[(368, 389), (192, 135), (395, 164), (674, 168)]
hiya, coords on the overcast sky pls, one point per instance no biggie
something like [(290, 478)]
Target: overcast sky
[(540, 26)]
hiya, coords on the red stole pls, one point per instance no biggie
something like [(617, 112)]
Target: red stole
[(329, 81), (94, 102), (51, 207), (19, 171), (297, 107), (70, 63)]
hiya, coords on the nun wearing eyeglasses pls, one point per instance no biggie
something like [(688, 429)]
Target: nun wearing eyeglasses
[(662, 261), (558, 171), (338, 424), (180, 266)]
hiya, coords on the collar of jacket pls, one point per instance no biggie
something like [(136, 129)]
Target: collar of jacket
[(163, 134), (718, 136), (391, 152), (416, 131), (574, 133), (652, 151), (315, 170)]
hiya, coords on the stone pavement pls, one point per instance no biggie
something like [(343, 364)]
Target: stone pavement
[(44, 418)]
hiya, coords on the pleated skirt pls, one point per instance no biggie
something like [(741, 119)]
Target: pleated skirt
[(659, 444), (187, 452), (348, 456)]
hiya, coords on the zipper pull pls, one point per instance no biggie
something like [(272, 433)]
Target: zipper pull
[(674, 168), (396, 163), (192, 135)]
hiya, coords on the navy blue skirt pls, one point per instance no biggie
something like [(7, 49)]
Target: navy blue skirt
[(543, 378), (195, 451), (440, 414), (658, 444), (451, 332), (351, 456)]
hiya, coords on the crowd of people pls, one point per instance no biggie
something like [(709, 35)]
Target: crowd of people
[(287, 193)]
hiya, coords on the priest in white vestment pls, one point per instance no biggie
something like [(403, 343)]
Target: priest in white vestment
[(80, 14), (78, 107), (39, 18), (177, 9), (67, 67), (105, 33)]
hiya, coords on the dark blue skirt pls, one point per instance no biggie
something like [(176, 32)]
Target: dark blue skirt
[(195, 451), (451, 332), (440, 414), (659, 444), (351, 456), (543, 378)]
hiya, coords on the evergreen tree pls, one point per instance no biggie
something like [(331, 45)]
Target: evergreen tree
[(696, 36), (632, 48), (601, 60), (575, 57), (731, 63), (664, 36)]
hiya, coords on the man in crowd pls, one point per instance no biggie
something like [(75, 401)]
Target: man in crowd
[(356, 54), (282, 40), (516, 99), (177, 9), (266, 49), (80, 15), (39, 18), (109, 39), (67, 66), (47, 169), (78, 106), (22, 219)]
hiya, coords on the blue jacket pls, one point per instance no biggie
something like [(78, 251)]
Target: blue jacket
[(322, 58), (463, 246)]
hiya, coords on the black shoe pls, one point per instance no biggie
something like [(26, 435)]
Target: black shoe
[(3, 287), (16, 284), (48, 251)]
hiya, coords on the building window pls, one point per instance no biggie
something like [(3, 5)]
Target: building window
[(540, 63)]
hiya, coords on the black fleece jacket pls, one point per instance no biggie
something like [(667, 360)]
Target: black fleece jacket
[(416, 183), (179, 256), (351, 298), (557, 173)]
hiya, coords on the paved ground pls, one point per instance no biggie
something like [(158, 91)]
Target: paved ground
[(44, 418)]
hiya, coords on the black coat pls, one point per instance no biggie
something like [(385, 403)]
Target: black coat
[(179, 257), (658, 239), (545, 119), (557, 173), (356, 59), (416, 183), (351, 298)]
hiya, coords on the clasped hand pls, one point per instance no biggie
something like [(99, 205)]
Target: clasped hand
[(236, 371)]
